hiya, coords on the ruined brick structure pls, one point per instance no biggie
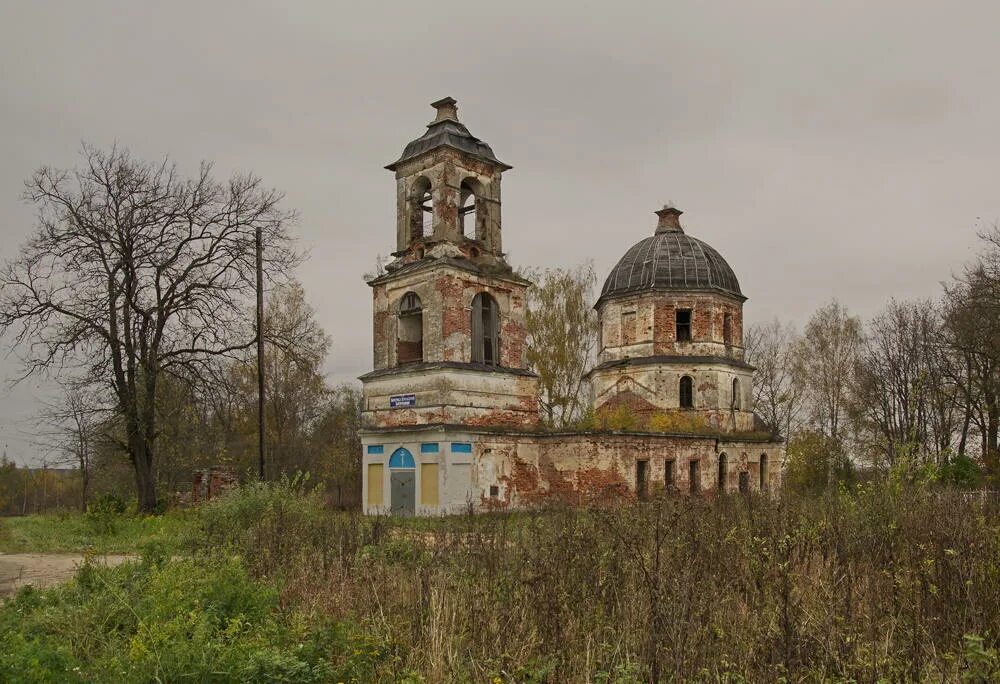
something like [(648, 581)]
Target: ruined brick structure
[(209, 483), (451, 410)]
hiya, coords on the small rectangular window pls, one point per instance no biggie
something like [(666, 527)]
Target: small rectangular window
[(461, 448), (494, 491), (683, 325), (376, 449), (628, 327), (693, 475), (429, 448), (670, 473), (641, 478)]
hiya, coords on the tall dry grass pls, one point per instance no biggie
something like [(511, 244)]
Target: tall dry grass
[(881, 583)]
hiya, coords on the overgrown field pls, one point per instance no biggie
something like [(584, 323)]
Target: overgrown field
[(881, 583)]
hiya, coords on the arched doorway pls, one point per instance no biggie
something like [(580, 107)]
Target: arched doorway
[(402, 483)]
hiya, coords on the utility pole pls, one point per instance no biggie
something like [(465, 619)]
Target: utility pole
[(260, 353)]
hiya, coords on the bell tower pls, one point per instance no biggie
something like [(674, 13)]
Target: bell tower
[(449, 311), (448, 192)]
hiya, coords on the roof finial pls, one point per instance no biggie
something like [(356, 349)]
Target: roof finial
[(669, 219), (447, 108)]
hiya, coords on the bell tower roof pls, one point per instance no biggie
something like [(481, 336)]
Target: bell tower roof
[(446, 131)]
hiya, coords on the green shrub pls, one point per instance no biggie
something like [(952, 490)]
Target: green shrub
[(183, 620), (961, 471), (677, 421), (104, 513)]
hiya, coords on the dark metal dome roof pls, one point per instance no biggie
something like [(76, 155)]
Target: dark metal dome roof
[(447, 131), (670, 260)]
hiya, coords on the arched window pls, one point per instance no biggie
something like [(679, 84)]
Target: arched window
[(723, 472), (485, 330), (469, 211), (727, 329), (736, 394), (763, 472), (410, 330), (687, 392), (421, 209), (401, 458)]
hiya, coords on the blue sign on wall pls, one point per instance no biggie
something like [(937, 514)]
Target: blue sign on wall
[(402, 400)]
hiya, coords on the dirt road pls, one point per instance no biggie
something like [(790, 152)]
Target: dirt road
[(42, 569)]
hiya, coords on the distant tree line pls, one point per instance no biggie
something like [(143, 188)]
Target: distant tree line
[(914, 392)]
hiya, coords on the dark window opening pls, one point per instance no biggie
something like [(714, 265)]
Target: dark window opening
[(693, 476), (723, 474), (736, 394), (494, 491), (485, 330), (410, 330), (683, 325), (421, 209), (642, 479), (727, 329), (744, 482), (687, 392), (670, 473), (469, 211), (763, 472)]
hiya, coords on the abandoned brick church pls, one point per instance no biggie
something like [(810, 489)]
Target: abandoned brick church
[(451, 414)]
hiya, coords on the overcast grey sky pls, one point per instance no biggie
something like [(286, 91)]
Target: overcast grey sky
[(838, 149)]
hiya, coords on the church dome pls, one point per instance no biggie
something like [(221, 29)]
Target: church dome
[(670, 260)]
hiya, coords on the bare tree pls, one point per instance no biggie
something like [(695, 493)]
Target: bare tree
[(825, 360), (778, 392), (903, 401), (68, 430), (562, 338), (135, 272), (973, 319)]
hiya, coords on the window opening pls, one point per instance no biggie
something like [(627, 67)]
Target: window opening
[(687, 392), (485, 330), (469, 211), (683, 325), (421, 209), (410, 330), (641, 478)]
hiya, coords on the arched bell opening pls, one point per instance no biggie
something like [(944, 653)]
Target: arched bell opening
[(421, 209), (485, 330), (472, 212), (410, 330)]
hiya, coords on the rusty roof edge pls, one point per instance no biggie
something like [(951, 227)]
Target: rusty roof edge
[(423, 367), (404, 159), (541, 432), (680, 292), (460, 264), (670, 360)]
